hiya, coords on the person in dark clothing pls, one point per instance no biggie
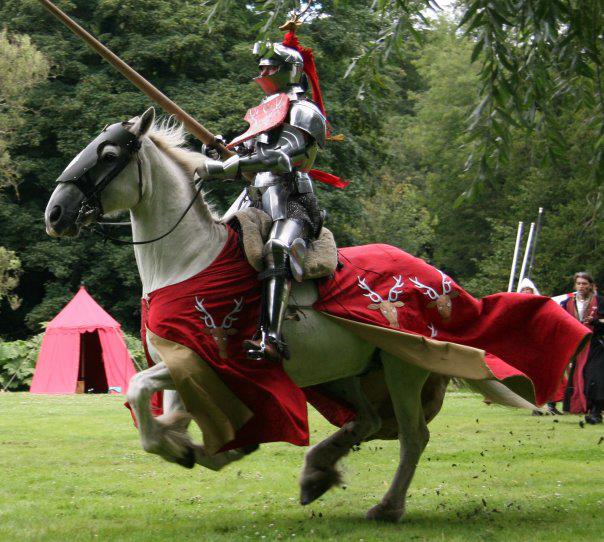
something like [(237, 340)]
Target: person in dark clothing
[(585, 391)]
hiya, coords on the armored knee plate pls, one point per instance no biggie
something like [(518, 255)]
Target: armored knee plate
[(286, 249), (297, 257)]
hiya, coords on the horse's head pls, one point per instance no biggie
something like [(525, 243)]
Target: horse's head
[(102, 178)]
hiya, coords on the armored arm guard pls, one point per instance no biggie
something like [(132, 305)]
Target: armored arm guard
[(291, 145)]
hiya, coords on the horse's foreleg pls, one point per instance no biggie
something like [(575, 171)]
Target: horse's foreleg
[(176, 418), (165, 436), (405, 384), (320, 473)]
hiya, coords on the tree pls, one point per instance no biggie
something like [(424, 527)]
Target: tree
[(21, 67), (433, 143), (10, 269), (405, 147), (474, 242), (395, 213)]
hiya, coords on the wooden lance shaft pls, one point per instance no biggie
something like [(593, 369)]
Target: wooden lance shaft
[(140, 82)]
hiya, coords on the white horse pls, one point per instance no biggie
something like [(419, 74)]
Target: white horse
[(156, 187)]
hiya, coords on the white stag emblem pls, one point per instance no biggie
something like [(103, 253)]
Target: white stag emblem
[(388, 307), (219, 334), (442, 302)]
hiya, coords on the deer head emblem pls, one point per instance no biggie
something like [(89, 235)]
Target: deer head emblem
[(388, 307), (219, 334), (442, 302)]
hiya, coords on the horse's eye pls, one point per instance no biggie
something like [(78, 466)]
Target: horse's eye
[(109, 156)]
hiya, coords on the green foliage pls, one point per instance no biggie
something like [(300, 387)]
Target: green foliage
[(10, 269), (395, 213), (432, 144), (17, 362), (137, 353), (538, 57), (474, 242), (405, 150), (21, 67)]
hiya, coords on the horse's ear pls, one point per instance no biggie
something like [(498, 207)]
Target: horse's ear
[(143, 124)]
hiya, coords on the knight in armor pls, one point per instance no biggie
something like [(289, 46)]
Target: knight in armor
[(279, 159)]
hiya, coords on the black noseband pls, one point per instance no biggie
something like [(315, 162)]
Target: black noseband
[(90, 173)]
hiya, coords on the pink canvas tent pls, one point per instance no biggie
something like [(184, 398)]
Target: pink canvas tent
[(83, 350)]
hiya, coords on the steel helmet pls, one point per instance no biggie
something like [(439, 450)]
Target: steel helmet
[(285, 67)]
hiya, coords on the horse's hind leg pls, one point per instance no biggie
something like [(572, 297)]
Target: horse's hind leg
[(320, 473), (405, 384)]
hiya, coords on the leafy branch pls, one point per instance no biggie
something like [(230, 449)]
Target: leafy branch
[(538, 57)]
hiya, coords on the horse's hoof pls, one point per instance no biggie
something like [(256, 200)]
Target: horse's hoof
[(381, 513), (312, 486), (188, 461)]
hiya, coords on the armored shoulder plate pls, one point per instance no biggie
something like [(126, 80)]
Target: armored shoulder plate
[(307, 116)]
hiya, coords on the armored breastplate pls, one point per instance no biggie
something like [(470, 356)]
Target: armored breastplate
[(289, 151)]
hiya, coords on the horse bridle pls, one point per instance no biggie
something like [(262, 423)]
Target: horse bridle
[(91, 174)]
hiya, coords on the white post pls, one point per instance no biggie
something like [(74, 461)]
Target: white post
[(534, 247), (515, 258), (527, 250)]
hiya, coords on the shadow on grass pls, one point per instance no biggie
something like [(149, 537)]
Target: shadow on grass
[(453, 519)]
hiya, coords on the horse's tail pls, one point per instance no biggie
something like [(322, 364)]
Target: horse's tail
[(498, 393)]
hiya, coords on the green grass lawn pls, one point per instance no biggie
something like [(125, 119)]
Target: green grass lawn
[(71, 468)]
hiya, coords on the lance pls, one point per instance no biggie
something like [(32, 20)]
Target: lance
[(140, 82)]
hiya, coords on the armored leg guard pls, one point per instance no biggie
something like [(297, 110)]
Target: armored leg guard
[(280, 260)]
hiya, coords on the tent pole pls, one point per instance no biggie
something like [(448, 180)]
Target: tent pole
[(515, 258), (83, 361)]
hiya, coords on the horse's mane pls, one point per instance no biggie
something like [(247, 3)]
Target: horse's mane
[(169, 135)]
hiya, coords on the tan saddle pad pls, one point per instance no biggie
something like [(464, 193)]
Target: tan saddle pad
[(321, 259)]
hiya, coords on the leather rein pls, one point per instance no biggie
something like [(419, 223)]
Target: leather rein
[(80, 173), (117, 241)]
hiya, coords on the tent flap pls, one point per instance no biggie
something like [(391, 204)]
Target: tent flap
[(118, 365), (58, 364)]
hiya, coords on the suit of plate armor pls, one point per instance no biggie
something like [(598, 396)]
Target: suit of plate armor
[(280, 158)]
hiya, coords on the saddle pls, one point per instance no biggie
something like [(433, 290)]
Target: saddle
[(254, 228)]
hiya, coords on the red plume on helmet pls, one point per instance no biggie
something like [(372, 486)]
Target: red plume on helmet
[(310, 69), (291, 40)]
